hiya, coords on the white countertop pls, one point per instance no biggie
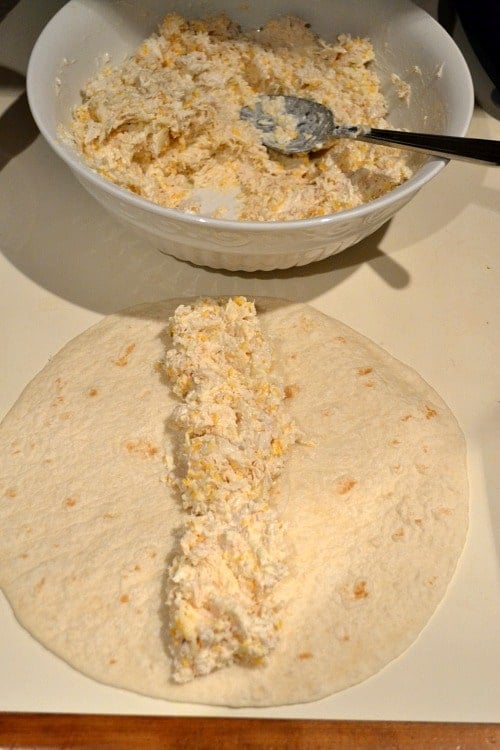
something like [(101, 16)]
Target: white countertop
[(425, 287)]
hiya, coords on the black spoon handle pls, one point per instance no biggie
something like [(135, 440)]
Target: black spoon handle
[(449, 146)]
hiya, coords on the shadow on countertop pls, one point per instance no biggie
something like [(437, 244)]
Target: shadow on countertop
[(18, 129)]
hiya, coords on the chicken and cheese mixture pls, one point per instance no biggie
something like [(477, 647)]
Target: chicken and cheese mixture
[(166, 123), (233, 433)]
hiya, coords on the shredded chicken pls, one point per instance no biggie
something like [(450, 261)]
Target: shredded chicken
[(166, 123)]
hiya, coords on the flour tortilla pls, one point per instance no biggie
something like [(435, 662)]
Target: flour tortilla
[(376, 507)]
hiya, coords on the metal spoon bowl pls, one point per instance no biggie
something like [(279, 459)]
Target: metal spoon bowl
[(294, 125)]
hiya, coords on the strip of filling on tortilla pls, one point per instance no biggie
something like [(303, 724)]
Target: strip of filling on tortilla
[(233, 433)]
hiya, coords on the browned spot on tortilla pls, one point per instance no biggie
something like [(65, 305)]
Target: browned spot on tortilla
[(406, 417), (108, 515), (307, 324), (123, 358), (345, 486), (141, 448), (124, 598), (69, 502), (66, 415), (152, 553), (360, 591), (327, 412), (10, 492), (291, 390), (112, 661), (92, 392), (340, 339), (41, 583), (395, 441), (137, 567), (442, 511), (14, 453), (59, 398), (432, 581), (418, 521), (398, 534), (421, 468), (305, 655), (365, 370), (24, 555), (368, 383), (425, 449), (47, 461), (429, 412)]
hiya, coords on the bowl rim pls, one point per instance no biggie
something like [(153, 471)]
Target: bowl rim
[(429, 169)]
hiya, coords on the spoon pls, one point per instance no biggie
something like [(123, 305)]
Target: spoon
[(293, 125)]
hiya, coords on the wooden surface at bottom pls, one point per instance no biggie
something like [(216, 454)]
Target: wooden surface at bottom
[(22, 730)]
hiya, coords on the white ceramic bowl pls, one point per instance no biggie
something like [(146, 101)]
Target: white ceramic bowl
[(406, 40)]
